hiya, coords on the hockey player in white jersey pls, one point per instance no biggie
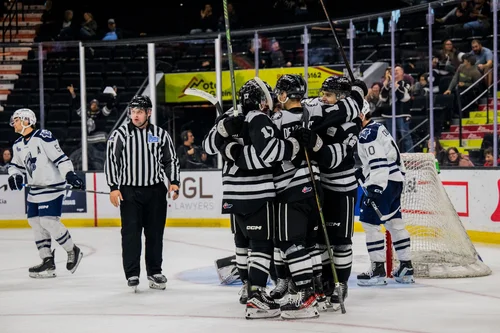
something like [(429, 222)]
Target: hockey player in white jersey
[(37, 155), (382, 173)]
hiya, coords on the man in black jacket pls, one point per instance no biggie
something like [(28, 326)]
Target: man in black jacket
[(191, 156)]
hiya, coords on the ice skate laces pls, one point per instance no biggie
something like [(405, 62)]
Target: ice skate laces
[(244, 290), (281, 286), (71, 256)]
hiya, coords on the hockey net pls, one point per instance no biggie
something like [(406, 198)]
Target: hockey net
[(440, 245)]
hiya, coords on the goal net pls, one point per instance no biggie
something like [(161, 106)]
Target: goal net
[(440, 245)]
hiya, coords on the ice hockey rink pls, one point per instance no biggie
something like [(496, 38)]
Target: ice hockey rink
[(96, 298)]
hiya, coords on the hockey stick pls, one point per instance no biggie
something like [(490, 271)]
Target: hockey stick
[(207, 96), (230, 57), (374, 205), (263, 87), (325, 232), (63, 189), (339, 44)]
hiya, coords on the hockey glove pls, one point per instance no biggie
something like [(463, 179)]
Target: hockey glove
[(308, 139), (359, 174), (231, 151), (16, 182), (373, 193), (358, 84), (231, 126), (75, 181)]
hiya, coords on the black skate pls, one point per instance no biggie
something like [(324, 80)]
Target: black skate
[(47, 269), (375, 277), (320, 294), (74, 258), (244, 293), (157, 281), (280, 290), (133, 282), (334, 299), (260, 305), (404, 273), (301, 306)]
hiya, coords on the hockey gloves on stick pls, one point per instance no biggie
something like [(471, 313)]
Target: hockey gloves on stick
[(231, 151), (75, 181), (359, 174), (16, 182), (373, 193), (231, 126), (358, 84), (307, 139)]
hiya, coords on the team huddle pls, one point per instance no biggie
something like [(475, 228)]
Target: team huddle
[(284, 167)]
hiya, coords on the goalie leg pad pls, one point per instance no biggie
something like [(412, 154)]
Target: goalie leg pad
[(226, 270)]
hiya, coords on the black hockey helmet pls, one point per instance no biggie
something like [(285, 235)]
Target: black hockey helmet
[(251, 97), (337, 84), (140, 102), (293, 84)]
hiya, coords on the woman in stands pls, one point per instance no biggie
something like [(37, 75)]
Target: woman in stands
[(454, 158)]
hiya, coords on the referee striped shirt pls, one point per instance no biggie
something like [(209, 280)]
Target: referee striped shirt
[(140, 157)]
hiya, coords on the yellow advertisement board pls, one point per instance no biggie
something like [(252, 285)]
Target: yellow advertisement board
[(177, 83)]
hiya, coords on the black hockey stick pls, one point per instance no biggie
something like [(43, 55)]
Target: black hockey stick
[(206, 96), (339, 44), (230, 57), (374, 205), (325, 232), (63, 189)]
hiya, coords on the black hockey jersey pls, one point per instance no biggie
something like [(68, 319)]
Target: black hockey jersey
[(248, 182)]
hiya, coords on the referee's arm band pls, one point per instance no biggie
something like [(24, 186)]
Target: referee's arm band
[(113, 187)]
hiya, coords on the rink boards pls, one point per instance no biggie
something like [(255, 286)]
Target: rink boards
[(474, 193)]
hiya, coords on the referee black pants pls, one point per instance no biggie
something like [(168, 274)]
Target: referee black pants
[(143, 207)]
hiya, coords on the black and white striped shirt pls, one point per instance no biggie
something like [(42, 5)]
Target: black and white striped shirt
[(140, 157)]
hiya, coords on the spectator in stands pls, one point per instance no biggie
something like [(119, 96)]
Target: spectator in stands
[(89, 26), (191, 156), (96, 116), (481, 17), (247, 61), (439, 152), (403, 89), (484, 59), (489, 158), (454, 158), (234, 21), (466, 75), (448, 57), (113, 33), (277, 56), (459, 14), (207, 21), (48, 28), (421, 88), (373, 96), (67, 30), (6, 158)]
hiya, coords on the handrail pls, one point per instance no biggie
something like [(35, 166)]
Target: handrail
[(11, 14), (477, 81)]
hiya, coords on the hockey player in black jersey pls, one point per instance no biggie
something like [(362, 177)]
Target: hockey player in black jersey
[(341, 105), (248, 187)]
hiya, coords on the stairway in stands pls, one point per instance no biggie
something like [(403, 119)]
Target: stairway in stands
[(22, 30), (474, 128)]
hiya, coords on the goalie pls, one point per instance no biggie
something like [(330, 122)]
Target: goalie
[(382, 173)]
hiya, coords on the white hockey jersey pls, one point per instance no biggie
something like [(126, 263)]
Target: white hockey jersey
[(42, 160), (379, 156)]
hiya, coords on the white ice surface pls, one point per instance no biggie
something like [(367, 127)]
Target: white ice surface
[(96, 298)]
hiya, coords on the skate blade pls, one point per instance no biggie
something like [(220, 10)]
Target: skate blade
[(252, 313), (407, 279), (311, 312), (373, 282), (45, 275), (80, 256), (134, 288), (322, 306), (157, 286)]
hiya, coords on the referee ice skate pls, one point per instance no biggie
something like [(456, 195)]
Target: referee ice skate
[(139, 156)]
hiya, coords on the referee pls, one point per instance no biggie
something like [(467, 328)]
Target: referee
[(138, 158)]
